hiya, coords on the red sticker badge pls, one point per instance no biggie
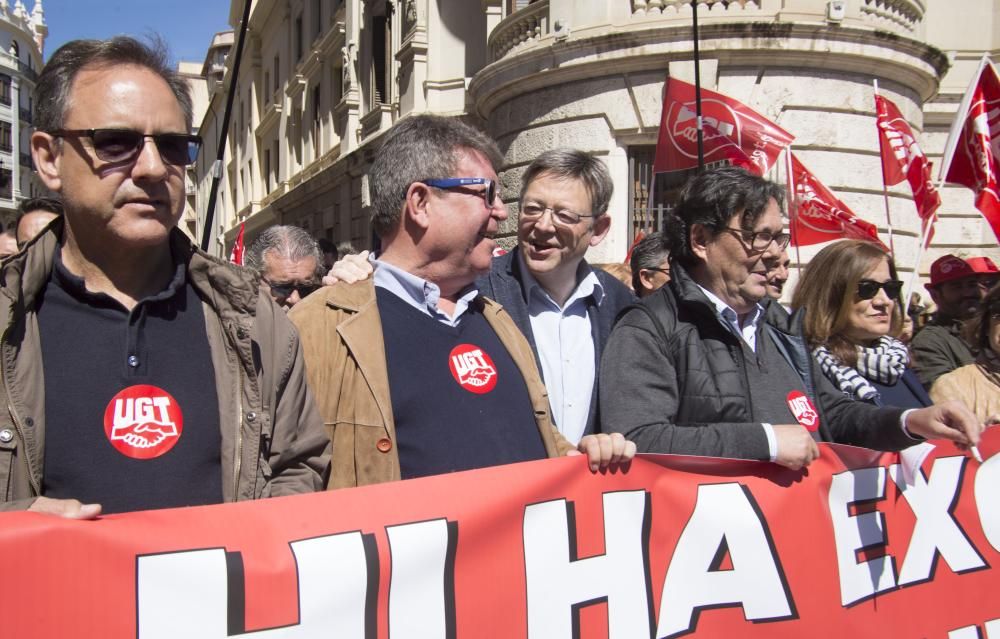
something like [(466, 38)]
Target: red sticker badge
[(803, 409), (143, 422), (472, 369)]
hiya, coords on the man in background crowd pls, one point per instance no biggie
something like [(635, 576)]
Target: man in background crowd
[(289, 262), (416, 372), (8, 244), (650, 261), (957, 288), (140, 372), (34, 214)]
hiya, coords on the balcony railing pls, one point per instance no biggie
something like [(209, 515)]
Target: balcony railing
[(673, 7), (25, 115), (893, 14), (524, 25)]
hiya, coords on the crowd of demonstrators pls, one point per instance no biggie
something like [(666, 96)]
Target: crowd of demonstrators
[(146, 402), (978, 384), (708, 367), (561, 304), (849, 294), (957, 288), (437, 210), (650, 262), (517, 350), (289, 262)]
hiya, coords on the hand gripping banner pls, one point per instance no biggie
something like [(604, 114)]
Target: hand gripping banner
[(860, 545)]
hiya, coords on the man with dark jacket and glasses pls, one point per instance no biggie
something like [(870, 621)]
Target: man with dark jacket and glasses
[(710, 366), (138, 372)]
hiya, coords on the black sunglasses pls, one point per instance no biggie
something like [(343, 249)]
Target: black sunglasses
[(489, 194), (284, 290), (867, 289), (123, 145)]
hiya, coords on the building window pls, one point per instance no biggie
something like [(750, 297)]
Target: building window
[(298, 38), (5, 137), (316, 119), (649, 202), (318, 16), (4, 89), (381, 57), (277, 73), (6, 184), (15, 49), (267, 87), (267, 170)]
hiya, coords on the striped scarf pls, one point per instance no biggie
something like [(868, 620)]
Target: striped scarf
[(884, 363)]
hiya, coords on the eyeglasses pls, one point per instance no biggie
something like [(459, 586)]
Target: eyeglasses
[(489, 194), (665, 271), (867, 289), (284, 290), (532, 212), (123, 145), (760, 240)]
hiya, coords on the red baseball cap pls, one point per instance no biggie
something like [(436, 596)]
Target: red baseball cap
[(950, 267), (982, 265)]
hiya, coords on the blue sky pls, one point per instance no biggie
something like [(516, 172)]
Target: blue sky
[(187, 26)]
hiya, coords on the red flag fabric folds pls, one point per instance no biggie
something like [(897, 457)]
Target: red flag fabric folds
[(236, 256), (973, 159), (821, 216), (732, 132), (902, 158)]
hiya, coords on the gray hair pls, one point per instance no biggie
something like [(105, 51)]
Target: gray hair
[(577, 165), (420, 147), (291, 242), (649, 253), (52, 91)]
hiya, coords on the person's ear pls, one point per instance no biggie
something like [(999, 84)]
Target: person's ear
[(602, 225), (46, 152), (701, 237), (417, 207)]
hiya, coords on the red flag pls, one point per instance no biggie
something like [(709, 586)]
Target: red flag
[(902, 159), (972, 155), (236, 257), (731, 131), (821, 216)]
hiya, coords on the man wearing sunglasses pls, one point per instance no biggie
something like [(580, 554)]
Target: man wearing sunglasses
[(416, 372), (289, 262), (139, 372), (713, 367), (957, 287)]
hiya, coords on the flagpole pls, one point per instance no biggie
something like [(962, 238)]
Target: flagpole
[(213, 192), (885, 187), (697, 86), (793, 206)]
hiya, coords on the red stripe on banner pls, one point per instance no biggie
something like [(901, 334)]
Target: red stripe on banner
[(674, 547)]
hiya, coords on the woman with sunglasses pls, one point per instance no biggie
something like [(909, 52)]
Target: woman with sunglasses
[(850, 296), (978, 384)]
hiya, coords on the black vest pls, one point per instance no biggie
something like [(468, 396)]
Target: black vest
[(459, 401)]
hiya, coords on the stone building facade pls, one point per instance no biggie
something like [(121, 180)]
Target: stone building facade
[(22, 40), (322, 79)]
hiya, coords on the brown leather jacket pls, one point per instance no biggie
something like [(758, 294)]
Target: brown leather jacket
[(342, 342), (272, 441)]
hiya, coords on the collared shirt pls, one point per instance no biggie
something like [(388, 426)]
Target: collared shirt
[(565, 343), (419, 293), (748, 331)]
